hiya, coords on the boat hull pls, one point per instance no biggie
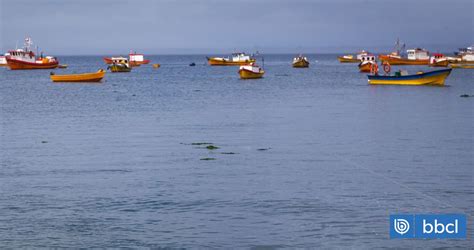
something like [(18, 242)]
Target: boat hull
[(247, 74), (429, 78), (443, 63), (219, 62), (86, 77), (21, 65), (347, 60), (402, 61), (301, 64), (119, 68), (462, 66), (365, 67)]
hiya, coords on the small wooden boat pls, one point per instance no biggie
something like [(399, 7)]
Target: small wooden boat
[(237, 59), (300, 62), (156, 65), (348, 59), (436, 77), (85, 77), (251, 72), (366, 63), (62, 66), (120, 64), (462, 66)]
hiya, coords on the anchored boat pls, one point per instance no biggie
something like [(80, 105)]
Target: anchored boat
[(137, 59), (235, 60), (300, 62), (85, 77), (436, 77), (351, 58), (26, 59), (438, 60), (134, 59), (251, 72), (366, 63), (120, 64)]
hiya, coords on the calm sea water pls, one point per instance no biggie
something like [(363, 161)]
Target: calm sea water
[(307, 157)]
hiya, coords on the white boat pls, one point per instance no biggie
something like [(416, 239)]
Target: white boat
[(3, 60)]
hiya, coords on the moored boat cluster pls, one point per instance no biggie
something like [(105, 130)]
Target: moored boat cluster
[(25, 58)]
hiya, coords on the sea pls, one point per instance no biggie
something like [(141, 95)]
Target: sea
[(194, 157)]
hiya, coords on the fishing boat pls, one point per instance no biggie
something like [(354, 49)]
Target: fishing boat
[(438, 60), (300, 62), (236, 59), (462, 66), (416, 56), (85, 77), (347, 59), (366, 63), (26, 59), (436, 77), (137, 59), (120, 64), (251, 71), (351, 58)]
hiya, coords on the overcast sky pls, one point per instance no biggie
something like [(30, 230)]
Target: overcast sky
[(219, 26)]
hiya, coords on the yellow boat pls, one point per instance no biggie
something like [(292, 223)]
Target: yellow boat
[(251, 72), (300, 62), (436, 77), (462, 66), (348, 59), (236, 60), (85, 77), (156, 65)]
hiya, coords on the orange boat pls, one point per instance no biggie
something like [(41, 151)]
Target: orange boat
[(366, 63), (415, 57), (84, 77), (26, 59)]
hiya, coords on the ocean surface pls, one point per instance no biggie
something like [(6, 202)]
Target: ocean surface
[(311, 158)]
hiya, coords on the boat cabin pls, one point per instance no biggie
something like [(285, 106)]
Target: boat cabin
[(136, 57), (368, 57), (435, 57), (362, 54), (418, 54), (238, 57), (120, 60)]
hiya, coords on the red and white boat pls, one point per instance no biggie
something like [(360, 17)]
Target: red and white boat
[(26, 59), (134, 59)]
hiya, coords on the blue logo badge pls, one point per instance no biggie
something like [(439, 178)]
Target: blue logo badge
[(428, 226)]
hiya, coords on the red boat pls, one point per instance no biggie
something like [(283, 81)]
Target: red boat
[(134, 59), (26, 59)]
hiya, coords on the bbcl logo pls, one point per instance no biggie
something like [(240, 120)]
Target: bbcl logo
[(401, 226), (428, 226)]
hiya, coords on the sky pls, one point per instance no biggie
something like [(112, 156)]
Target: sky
[(101, 27)]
